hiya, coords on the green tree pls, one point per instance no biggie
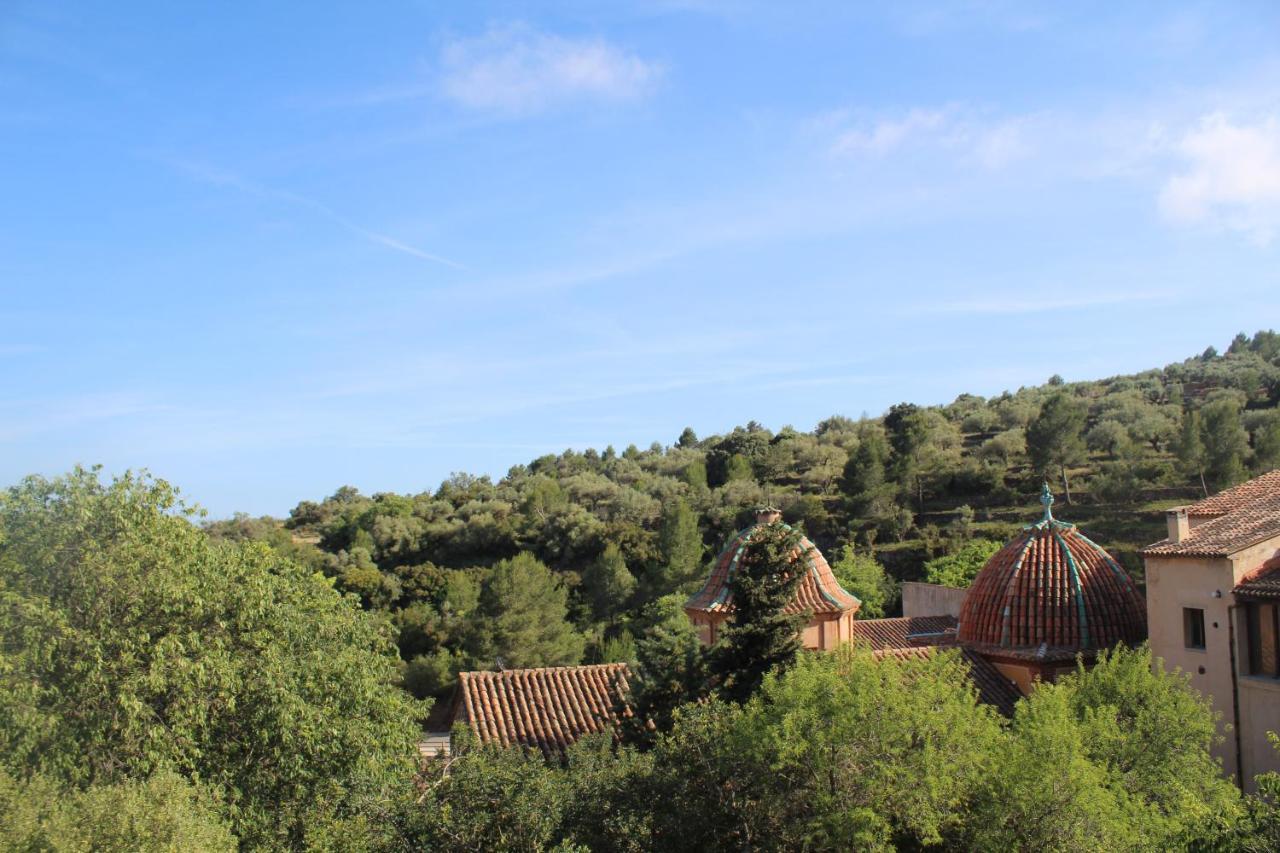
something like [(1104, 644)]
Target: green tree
[(1054, 437), (523, 617), (840, 752), (958, 568), (670, 671), (1266, 443), (1112, 757), (1225, 441), (163, 813), (608, 583), (680, 544), (130, 643), (862, 575), (488, 798), (688, 438), (1189, 447), (761, 637)]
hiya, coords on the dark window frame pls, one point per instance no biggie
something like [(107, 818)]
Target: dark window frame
[(1253, 611), (1193, 633)]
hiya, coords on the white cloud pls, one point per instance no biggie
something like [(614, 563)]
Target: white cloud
[(990, 143), (1231, 180), (515, 69)]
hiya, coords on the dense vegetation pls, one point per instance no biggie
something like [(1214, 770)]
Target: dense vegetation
[(565, 559), (842, 751), (171, 685)]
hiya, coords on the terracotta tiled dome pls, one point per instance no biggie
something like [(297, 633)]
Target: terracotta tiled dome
[(818, 592), (1051, 593)]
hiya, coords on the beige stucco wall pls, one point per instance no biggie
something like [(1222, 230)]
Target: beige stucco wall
[(1259, 714), (931, 599), (1177, 582), (822, 632)]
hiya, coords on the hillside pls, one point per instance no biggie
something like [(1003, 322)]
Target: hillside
[(571, 556)]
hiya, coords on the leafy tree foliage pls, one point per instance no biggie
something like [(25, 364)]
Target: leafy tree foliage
[(961, 566), (1225, 442), (131, 643), (863, 576), (162, 814)]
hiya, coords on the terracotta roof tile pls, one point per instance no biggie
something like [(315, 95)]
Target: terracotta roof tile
[(547, 708), (1051, 589), (1239, 496), (1239, 517), (818, 592), (1262, 582), (903, 631)]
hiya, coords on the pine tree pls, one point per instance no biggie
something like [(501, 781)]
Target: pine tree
[(1225, 442), (1054, 438), (523, 610), (680, 543), (761, 637), (1190, 447), (608, 583)]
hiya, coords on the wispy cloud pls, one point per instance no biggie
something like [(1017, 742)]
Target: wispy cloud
[(991, 142), (1231, 177), (515, 69), (221, 177)]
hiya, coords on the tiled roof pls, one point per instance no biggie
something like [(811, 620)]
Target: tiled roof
[(818, 592), (1051, 590), (547, 708), (903, 631), (1239, 517), (993, 688), (1239, 496), (1263, 582)]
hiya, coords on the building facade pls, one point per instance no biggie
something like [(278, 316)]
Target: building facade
[(1213, 595)]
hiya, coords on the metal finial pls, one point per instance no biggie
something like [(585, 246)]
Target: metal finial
[(1046, 498)]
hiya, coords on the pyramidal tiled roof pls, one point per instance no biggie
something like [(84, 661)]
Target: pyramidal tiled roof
[(547, 708), (818, 592), (1229, 521), (1049, 594)]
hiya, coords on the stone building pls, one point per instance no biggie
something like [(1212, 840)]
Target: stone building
[(1213, 593)]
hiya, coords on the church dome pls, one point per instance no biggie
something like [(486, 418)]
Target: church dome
[(818, 592), (1050, 594)]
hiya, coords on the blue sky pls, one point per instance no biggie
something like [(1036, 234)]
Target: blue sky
[(269, 250)]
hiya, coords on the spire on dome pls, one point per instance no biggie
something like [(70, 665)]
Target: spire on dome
[(768, 514), (1046, 498)]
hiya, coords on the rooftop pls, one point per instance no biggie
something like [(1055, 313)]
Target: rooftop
[(1228, 522), (903, 631), (1049, 594), (548, 708), (1263, 582), (818, 592)]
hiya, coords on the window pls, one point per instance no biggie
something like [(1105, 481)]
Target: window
[(1262, 634), (1193, 627)]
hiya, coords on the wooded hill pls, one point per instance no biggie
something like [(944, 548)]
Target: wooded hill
[(569, 557)]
